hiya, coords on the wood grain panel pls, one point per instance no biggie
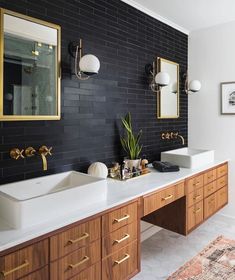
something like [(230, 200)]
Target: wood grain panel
[(122, 264), (119, 238), (194, 183), (24, 261), (222, 170), (209, 176), (210, 205), (194, 215), (210, 188), (42, 274), (162, 198), (92, 273), (222, 197), (75, 262), (74, 238), (120, 217), (222, 181), (194, 197)]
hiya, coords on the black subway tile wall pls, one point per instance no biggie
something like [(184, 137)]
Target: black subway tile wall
[(125, 40)]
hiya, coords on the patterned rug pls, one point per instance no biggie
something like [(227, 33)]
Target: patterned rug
[(215, 262)]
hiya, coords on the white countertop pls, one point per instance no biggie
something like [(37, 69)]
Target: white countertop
[(118, 192)]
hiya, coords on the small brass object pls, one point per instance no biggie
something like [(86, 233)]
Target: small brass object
[(16, 153), (84, 236), (118, 241), (72, 266), (44, 151), (30, 152), (172, 135), (125, 217), (6, 273), (126, 257)]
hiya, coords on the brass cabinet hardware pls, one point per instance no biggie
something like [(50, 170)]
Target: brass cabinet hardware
[(85, 259), (168, 197), (6, 273), (212, 200), (84, 236), (30, 152), (121, 219), (197, 211), (126, 257), (118, 241), (196, 184), (197, 197), (16, 153)]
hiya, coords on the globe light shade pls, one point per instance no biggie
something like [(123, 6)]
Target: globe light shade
[(162, 79), (89, 64), (194, 86)]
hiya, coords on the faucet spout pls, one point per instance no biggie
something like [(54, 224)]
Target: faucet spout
[(182, 139), (44, 162), (44, 151)]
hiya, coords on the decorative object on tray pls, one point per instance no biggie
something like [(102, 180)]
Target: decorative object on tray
[(216, 261), (124, 172), (130, 144), (228, 98), (98, 169)]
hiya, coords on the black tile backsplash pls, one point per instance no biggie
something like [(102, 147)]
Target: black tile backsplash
[(124, 39)]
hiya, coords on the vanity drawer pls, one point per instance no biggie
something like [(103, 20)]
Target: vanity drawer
[(222, 197), (120, 217), (222, 181), (194, 183), (24, 261), (210, 188), (222, 170), (75, 262), (195, 197), (74, 238), (195, 215), (210, 205), (122, 264), (209, 176), (160, 199), (119, 238), (92, 273), (42, 274)]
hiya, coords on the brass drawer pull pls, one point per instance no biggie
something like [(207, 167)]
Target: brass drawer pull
[(122, 260), (85, 259), (197, 197), (168, 197), (211, 200), (196, 184), (6, 273), (121, 219), (222, 182), (84, 236), (197, 211), (126, 236)]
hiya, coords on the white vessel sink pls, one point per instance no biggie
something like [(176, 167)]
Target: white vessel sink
[(27, 203), (187, 157)]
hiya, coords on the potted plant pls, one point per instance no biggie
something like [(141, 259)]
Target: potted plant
[(130, 143)]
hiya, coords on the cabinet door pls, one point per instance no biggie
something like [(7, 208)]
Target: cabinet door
[(210, 205), (222, 197), (195, 215)]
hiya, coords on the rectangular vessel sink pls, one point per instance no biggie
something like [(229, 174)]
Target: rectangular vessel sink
[(188, 158), (27, 203)]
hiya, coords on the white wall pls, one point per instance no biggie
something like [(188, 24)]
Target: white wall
[(212, 61)]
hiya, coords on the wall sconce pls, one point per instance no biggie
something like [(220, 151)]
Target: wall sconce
[(84, 65), (192, 86), (159, 79)]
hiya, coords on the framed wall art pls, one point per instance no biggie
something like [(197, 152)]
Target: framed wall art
[(228, 98)]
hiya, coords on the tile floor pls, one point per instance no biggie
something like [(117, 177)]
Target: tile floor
[(166, 251)]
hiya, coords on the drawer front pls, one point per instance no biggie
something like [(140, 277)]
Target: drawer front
[(120, 217), (222, 170), (210, 188), (210, 205), (42, 274), (194, 183), (160, 199), (195, 197), (92, 273), (222, 181), (209, 176), (24, 261), (119, 238), (74, 238), (195, 215), (121, 265), (75, 262), (222, 197)]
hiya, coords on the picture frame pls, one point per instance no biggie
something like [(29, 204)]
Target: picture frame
[(228, 98)]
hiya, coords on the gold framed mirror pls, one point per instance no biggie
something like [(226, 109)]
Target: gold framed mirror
[(29, 67), (168, 96)]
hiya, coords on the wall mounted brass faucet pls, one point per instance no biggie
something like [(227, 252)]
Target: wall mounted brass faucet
[(30, 152), (172, 135), (16, 153), (44, 151)]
